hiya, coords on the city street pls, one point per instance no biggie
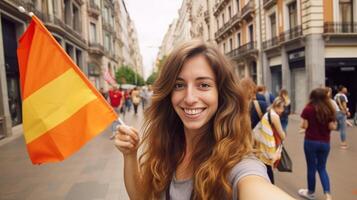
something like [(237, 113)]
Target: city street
[(95, 172)]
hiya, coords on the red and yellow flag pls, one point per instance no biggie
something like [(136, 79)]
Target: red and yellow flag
[(61, 108)]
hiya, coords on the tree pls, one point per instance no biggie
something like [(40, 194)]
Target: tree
[(126, 74), (151, 79)]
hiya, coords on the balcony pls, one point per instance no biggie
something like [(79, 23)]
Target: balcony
[(228, 25), (291, 34), (340, 28), (248, 48), (248, 9), (96, 48), (287, 36), (219, 7), (106, 26), (268, 3), (93, 9), (273, 42)]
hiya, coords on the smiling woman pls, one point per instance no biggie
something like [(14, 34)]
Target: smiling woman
[(197, 138)]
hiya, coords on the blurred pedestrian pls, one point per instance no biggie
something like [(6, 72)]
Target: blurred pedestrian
[(318, 118), (135, 97), (116, 99), (197, 142), (103, 93), (265, 95), (342, 114), (284, 117), (257, 108), (271, 155)]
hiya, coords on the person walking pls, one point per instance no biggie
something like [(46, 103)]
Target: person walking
[(318, 119), (197, 141), (116, 99), (272, 117), (342, 114), (284, 117), (135, 97)]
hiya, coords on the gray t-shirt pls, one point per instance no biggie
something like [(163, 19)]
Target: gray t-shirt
[(182, 189)]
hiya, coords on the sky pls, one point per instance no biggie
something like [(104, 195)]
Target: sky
[(152, 19)]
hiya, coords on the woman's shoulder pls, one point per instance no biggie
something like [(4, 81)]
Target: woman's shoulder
[(249, 165)]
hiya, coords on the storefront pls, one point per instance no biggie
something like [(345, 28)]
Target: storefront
[(298, 80), (343, 71)]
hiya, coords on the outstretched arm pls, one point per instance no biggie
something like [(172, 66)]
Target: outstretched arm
[(247, 189)]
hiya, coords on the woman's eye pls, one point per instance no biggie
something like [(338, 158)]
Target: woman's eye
[(204, 85), (179, 85)]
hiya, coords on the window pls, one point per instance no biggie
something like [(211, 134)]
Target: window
[(238, 40), (273, 25), (238, 5), (292, 15), (223, 19), (106, 41), (93, 33), (54, 6), (251, 32), (346, 15), (229, 12), (76, 18), (97, 2), (217, 23), (105, 14), (224, 47), (230, 44), (79, 58)]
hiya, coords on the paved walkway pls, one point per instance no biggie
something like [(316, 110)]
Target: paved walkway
[(95, 172)]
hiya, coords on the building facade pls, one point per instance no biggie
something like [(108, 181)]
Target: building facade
[(90, 31), (293, 44)]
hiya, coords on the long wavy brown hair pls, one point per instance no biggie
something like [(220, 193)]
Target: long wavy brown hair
[(325, 112), (226, 142)]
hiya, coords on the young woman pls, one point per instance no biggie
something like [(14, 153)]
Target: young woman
[(197, 135), (318, 118), (284, 117), (272, 116)]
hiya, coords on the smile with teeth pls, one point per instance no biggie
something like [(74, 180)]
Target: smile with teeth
[(194, 111)]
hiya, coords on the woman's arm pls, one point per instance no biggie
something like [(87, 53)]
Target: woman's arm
[(332, 125), (304, 124), (277, 124), (247, 189), (127, 141)]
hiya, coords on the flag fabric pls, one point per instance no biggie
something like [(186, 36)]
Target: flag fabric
[(61, 109), (108, 78)]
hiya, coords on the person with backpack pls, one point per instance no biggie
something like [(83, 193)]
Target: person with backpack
[(318, 119), (342, 114), (269, 136)]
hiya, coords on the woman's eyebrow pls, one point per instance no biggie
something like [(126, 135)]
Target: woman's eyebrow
[(205, 77)]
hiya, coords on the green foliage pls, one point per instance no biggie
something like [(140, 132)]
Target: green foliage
[(151, 79), (160, 62), (126, 75)]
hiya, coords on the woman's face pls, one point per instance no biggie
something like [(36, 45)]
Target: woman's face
[(195, 95), (279, 109)]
